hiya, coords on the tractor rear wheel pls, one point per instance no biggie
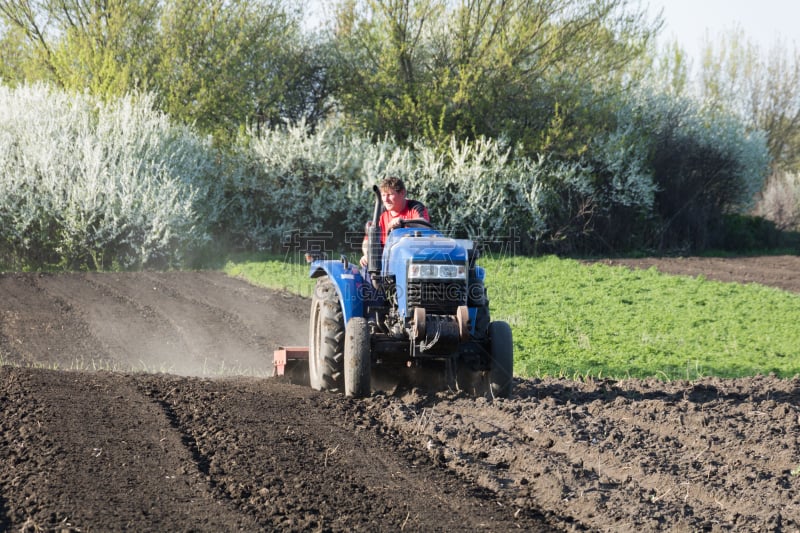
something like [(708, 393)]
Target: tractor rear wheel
[(501, 348), (357, 358), (326, 338)]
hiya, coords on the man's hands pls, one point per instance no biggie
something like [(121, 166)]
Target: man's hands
[(396, 222), (364, 245)]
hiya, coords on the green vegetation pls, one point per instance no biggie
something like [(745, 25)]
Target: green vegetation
[(92, 185), (89, 184), (558, 121), (597, 320), (534, 71), (574, 320), (216, 65), (272, 271)]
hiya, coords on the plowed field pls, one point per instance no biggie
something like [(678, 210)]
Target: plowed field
[(139, 402)]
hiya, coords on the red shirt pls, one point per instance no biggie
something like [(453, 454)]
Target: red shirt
[(413, 209)]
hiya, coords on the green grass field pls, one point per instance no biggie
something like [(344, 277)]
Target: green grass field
[(574, 320)]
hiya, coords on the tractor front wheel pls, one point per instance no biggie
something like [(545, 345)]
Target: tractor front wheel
[(357, 358), (326, 338), (501, 348)]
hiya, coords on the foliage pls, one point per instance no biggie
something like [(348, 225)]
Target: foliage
[(295, 183), (217, 65), (573, 319), (748, 233), (779, 200), (88, 184), (101, 46), (315, 184), (478, 189), (703, 164), (669, 70), (761, 87), (608, 321), (320, 185), (220, 63), (547, 120), (432, 68)]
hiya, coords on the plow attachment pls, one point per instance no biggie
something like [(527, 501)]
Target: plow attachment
[(292, 362)]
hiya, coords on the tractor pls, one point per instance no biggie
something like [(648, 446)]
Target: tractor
[(420, 305)]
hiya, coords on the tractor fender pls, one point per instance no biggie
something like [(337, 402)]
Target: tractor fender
[(349, 284), (480, 273), (480, 277)]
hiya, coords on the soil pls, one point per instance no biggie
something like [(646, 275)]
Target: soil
[(781, 271), (141, 401)]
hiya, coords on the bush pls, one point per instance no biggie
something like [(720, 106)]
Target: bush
[(84, 183), (604, 202), (704, 166), (320, 184), (745, 233), (671, 183), (780, 201), (476, 189)]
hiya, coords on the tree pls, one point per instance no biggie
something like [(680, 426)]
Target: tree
[(218, 64), (104, 46), (669, 70), (761, 88), (18, 60), (431, 68)]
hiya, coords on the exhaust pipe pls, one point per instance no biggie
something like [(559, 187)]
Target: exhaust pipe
[(374, 247)]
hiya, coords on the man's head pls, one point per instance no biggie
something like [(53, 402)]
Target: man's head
[(393, 194), (392, 182)]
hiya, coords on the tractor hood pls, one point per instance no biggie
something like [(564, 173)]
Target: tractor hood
[(407, 245), (421, 245)]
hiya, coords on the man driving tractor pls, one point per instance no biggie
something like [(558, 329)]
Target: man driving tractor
[(428, 311), (396, 208)]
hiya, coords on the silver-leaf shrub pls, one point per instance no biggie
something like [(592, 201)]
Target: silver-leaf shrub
[(85, 183), (619, 194), (320, 182)]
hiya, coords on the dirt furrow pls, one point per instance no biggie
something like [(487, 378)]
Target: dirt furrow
[(206, 344), (36, 327), (132, 337), (95, 455), (254, 308), (151, 322), (221, 332), (594, 452), (111, 451), (288, 458)]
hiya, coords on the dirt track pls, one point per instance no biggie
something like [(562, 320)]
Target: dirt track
[(104, 447)]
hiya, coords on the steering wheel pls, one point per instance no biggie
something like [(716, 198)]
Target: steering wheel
[(415, 222)]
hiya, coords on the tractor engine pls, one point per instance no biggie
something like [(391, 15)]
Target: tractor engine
[(424, 275)]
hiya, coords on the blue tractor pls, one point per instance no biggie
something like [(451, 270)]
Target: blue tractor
[(420, 305)]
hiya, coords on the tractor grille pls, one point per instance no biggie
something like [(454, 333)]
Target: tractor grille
[(437, 297)]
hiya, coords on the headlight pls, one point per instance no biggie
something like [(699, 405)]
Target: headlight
[(434, 271)]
